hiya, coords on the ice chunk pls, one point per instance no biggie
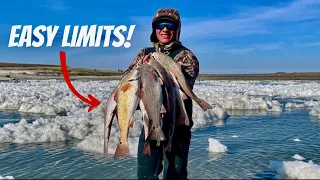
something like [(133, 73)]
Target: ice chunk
[(295, 170), (315, 111), (294, 105), (298, 157), (6, 177), (216, 146)]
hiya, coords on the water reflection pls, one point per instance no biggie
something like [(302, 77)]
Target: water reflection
[(247, 112), (315, 119), (219, 123), (213, 156)]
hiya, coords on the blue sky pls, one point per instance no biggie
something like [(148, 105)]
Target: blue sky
[(227, 36)]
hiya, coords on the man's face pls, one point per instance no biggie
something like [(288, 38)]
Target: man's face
[(165, 32)]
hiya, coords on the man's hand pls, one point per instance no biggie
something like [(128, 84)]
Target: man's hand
[(146, 58)]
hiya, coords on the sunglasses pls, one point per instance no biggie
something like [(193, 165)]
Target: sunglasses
[(168, 25)]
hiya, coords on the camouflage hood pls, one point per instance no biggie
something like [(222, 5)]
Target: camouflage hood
[(169, 14)]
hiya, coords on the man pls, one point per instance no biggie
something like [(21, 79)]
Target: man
[(165, 37)]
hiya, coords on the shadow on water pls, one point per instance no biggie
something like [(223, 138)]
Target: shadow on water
[(251, 112), (214, 156)]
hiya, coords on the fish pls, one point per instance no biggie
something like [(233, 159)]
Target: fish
[(127, 97), (110, 110), (170, 93), (182, 117), (109, 113), (151, 96), (146, 126), (170, 65)]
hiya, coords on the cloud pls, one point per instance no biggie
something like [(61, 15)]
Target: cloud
[(238, 51), (307, 44), (252, 22), (268, 46), (253, 47), (57, 5), (210, 48)]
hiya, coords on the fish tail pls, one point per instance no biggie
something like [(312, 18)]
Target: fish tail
[(122, 150), (147, 149), (204, 105), (156, 133)]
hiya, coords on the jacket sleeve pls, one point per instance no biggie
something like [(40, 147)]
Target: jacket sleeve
[(137, 60), (190, 65)]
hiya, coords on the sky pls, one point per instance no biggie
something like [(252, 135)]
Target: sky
[(227, 37)]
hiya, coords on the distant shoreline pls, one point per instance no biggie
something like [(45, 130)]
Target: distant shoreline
[(18, 71), (200, 78)]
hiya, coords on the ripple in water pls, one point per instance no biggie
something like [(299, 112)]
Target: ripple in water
[(252, 139)]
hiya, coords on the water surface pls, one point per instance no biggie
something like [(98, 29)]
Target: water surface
[(260, 138)]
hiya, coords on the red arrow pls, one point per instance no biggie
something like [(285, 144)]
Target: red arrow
[(92, 100)]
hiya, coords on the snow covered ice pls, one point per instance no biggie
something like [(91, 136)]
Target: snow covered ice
[(295, 169), (6, 177), (68, 117), (298, 157), (315, 111), (216, 146)]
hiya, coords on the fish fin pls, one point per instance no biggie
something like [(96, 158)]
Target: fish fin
[(107, 136), (183, 95), (122, 150), (146, 58), (131, 123), (116, 96), (156, 133), (155, 76), (187, 121), (163, 109), (161, 81), (147, 149)]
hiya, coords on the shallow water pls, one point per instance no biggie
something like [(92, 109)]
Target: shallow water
[(262, 137)]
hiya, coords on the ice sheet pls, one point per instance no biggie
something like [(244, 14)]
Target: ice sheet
[(70, 119)]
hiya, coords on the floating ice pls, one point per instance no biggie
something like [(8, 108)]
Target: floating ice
[(315, 111), (295, 170), (6, 177), (298, 157), (294, 105), (312, 103), (216, 146), (69, 117)]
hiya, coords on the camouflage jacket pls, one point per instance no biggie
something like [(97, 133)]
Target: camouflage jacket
[(189, 64)]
